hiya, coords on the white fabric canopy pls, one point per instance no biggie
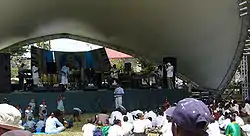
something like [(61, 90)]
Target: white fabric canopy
[(203, 34)]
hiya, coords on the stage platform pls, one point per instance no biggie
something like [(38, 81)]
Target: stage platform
[(94, 101)]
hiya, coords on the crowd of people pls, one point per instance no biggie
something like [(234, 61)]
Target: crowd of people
[(187, 117)]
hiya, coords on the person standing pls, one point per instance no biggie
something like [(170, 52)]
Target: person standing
[(21, 76), (64, 75), (118, 93), (60, 105), (114, 74), (35, 75), (170, 74)]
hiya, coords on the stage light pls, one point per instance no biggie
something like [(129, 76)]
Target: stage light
[(242, 3), (243, 14), (244, 8)]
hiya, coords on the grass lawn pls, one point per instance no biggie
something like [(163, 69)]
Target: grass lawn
[(76, 129)]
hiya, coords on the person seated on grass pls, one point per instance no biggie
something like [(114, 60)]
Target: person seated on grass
[(28, 113), (40, 125), (89, 128), (51, 125), (103, 116), (30, 125), (116, 129), (105, 128), (43, 109)]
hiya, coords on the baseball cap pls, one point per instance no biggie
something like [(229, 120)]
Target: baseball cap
[(190, 113), (10, 117)]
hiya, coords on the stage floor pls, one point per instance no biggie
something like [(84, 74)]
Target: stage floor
[(95, 101)]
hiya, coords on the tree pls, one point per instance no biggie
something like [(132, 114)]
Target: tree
[(20, 54)]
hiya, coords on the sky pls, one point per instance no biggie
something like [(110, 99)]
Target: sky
[(69, 45)]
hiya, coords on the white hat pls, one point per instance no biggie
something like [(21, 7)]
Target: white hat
[(9, 117)]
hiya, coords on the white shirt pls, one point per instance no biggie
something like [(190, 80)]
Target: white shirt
[(213, 129), (51, 124), (170, 71), (247, 107), (140, 126), (127, 128), (246, 128), (115, 130), (115, 115), (239, 121), (88, 129), (151, 114), (60, 105), (28, 113), (118, 92), (130, 117), (43, 107), (225, 123), (160, 121), (35, 72), (40, 124), (235, 108), (149, 123), (65, 71), (167, 129), (79, 110)]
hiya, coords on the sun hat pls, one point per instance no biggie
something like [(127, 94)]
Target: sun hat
[(9, 117), (189, 113)]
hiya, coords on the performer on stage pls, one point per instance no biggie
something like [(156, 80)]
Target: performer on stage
[(170, 73), (118, 93), (35, 75), (90, 73), (64, 75), (158, 75), (21, 76), (114, 74)]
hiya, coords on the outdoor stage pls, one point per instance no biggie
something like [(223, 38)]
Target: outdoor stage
[(94, 101)]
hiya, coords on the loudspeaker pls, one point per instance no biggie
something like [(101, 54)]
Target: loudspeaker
[(127, 67), (173, 62), (51, 67), (5, 82)]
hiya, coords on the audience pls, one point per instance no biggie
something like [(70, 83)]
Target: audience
[(116, 129), (40, 125), (28, 113), (140, 125), (127, 126), (233, 129), (9, 122), (60, 105), (51, 125), (89, 128), (30, 125), (246, 127), (43, 109), (103, 116)]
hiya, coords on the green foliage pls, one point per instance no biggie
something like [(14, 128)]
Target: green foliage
[(18, 55)]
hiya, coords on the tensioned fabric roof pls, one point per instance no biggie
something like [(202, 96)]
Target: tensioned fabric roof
[(206, 36)]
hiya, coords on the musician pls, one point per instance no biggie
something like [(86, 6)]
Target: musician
[(64, 75), (158, 74), (114, 74), (90, 73), (35, 75), (170, 74), (21, 76)]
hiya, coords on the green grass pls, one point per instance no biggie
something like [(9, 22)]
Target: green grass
[(76, 129)]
